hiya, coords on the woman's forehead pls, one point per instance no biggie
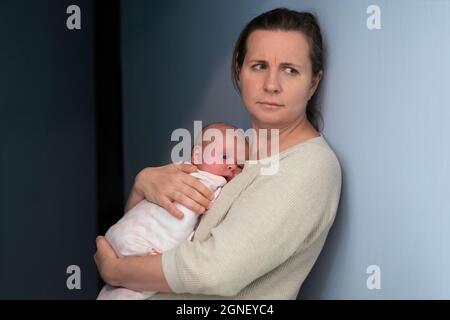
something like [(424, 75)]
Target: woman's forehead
[(278, 46)]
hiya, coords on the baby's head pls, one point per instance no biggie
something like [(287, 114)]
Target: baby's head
[(224, 157)]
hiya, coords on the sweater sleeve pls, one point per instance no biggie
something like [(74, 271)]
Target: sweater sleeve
[(275, 217)]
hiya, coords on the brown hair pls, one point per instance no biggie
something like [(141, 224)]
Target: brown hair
[(286, 20)]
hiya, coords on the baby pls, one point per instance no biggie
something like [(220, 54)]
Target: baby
[(149, 229)]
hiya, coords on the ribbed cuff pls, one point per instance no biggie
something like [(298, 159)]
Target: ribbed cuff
[(170, 271)]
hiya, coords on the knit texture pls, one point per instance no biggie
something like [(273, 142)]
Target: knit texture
[(264, 232)]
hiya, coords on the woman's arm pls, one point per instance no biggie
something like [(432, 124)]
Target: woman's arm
[(161, 185), (166, 184), (136, 273), (273, 219), (257, 235)]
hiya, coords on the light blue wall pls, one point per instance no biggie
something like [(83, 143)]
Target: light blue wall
[(386, 104), (385, 100)]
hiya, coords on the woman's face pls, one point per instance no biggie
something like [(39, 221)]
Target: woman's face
[(276, 78)]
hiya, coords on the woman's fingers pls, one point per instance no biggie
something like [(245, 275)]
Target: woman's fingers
[(192, 199), (172, 183), (104, 258), (189, 203), (203, 194), (104, 249), (187, 168), (173, 210)]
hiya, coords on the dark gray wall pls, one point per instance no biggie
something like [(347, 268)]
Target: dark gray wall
[(47, 160), (173, 60)]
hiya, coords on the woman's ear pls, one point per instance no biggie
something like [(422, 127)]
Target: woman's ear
[(197, 155), (315, 83)]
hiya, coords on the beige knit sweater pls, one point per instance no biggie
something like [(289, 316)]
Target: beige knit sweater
[(264, 232)]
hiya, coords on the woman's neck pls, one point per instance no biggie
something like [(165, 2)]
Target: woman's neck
[(288, 135)]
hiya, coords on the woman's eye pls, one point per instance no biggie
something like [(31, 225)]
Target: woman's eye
[(291, 71), (258, 66)]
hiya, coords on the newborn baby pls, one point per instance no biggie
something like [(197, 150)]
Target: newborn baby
[(150, 229)]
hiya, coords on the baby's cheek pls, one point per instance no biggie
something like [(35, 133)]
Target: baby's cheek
[(222, 168), (213, 168)]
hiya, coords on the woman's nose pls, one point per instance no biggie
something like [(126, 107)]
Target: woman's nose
[(272, 83)]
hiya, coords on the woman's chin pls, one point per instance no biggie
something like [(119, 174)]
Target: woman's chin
[(267, 122)]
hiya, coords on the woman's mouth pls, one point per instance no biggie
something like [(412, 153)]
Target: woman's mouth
[(270, 104)]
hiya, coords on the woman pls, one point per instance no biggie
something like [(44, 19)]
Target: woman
[(264, 232)]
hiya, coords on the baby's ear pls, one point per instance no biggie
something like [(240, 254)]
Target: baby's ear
[(197, 155)]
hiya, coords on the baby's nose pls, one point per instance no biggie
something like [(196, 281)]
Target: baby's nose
[(233, 170)]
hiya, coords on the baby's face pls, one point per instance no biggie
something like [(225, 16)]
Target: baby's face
[(224, 162)]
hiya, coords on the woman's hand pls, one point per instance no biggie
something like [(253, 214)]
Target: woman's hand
[(106, 260), (138, 273), (166, 184)]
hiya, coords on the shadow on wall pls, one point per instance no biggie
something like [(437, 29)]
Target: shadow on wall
[(176, 71), (322, 271)]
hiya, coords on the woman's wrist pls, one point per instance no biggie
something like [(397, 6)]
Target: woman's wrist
[(139, 273), (137, 193), (138, 187)]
